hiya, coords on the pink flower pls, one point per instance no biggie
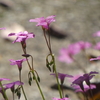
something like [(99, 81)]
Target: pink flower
[(97, 46), (11, 85), (22, 36), (66, 54), (84, 45), (17, 62), (62, 76), (74, 78), (98, 58), (86, 88), (44, 22), (61, 98), (2, 79), (89, 76), (3, 28), (97, 34), (85, 77)]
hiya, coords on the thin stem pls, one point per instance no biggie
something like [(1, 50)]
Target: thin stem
[(60, 93), (62, 90), (4, 93), (24, 49), (91, 93), (85, 95), (22, 86), (32, 63), (13, 95), (28, 64), (49, 47), (38, 85), (48, 43), (31, 69), (49, 40)]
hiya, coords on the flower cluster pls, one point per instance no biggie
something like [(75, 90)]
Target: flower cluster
[(84, 78), (66, 54)]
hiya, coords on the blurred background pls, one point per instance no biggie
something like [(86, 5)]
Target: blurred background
[(75, 20)]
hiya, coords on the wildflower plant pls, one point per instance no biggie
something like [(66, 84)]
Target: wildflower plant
[(66, 55)]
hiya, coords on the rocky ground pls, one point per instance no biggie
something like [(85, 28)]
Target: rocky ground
[(75, 20)]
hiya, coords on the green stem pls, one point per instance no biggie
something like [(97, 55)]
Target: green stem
[(4, 94), (49, 47), (13, 95), (31, 69), (60, 92), (38, 85), (47, 41), (22, 86)]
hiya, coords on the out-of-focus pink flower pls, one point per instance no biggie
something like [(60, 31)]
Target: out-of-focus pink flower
[(66, 54), (84, 45), (86, 88), (61, 98), (17, 62), (98, 58), (73, 49), (44, 22), (3, 28), (96, 34), (22, 36), (2, 79), (97, 46), (62, 76)]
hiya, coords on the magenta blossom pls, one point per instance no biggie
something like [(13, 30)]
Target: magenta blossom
[(62, 76), (66, 54), (22, 36), (96, 34), (17, 62), (98, 58), (3, 28), (85, 77), (89, 76), (83, 45), (97, 46), (44, 22), (74, 78), (79, 82), (86, 88), (61, 98), (2, 79), (12, 85)]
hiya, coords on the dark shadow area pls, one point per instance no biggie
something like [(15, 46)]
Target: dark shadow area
[(55, 87), (57, 34)]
